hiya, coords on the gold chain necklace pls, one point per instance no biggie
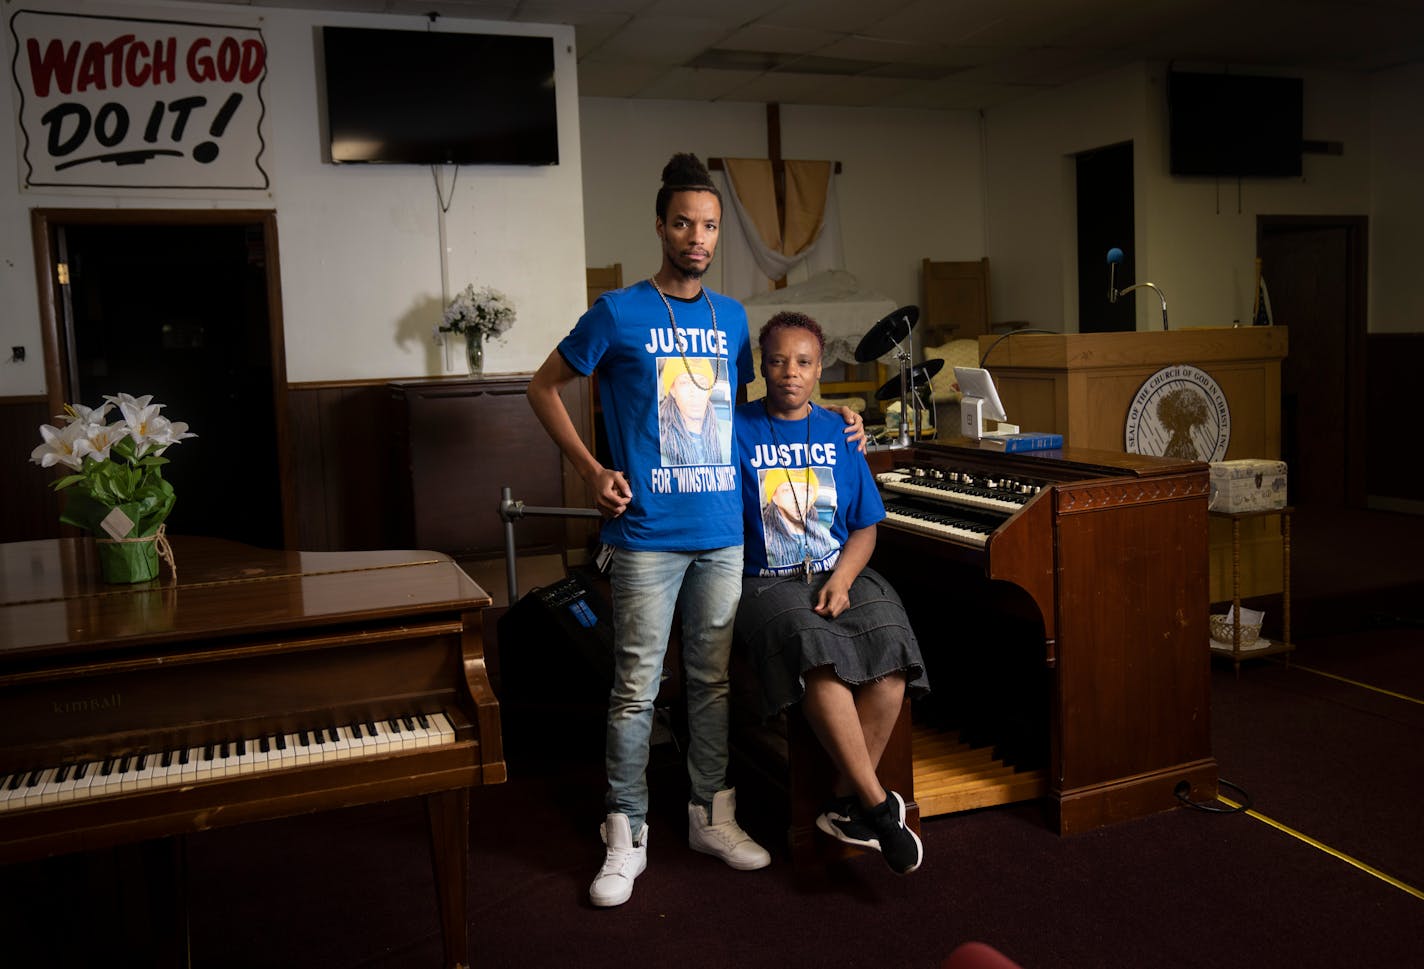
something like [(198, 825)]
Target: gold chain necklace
[(805, 526), (681, 343)]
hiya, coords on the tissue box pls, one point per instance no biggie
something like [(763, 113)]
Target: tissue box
[(1251, 484)]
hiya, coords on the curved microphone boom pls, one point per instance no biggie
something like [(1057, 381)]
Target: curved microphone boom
[(1115, 257)]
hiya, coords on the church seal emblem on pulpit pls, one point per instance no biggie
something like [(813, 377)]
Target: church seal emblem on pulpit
[(1179, 412)]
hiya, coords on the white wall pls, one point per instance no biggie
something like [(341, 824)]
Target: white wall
[(910, 185), (1031, 204), (360, 245), (626, 143), (1397, 203), (1195, 237), (1202, 231)]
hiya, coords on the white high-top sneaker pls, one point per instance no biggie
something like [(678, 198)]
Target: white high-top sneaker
[(624, 862), (722, 836)]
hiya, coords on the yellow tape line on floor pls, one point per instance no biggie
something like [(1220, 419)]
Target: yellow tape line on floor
[(1363, 686), (1417, 893)]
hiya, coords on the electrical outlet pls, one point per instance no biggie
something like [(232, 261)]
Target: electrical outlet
[(17, 354)]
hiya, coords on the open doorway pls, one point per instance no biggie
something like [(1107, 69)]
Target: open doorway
[(1104, 181), (183, 306)]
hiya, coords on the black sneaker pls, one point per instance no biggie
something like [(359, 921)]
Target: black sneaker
[(900, 846), (842, 820)]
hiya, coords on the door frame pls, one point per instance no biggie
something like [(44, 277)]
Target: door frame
[(1357, 237), (43, 227)]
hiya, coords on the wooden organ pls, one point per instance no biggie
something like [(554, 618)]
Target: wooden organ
[(263, 684), (1060, 599)]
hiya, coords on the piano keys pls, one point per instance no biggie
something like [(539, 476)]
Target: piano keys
[(1061, 600), (146, 770), (260, 685)]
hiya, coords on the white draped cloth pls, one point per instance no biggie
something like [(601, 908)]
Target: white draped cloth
[(749, 266), (835, 299)]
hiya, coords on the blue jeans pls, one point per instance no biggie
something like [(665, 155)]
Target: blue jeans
[(647, 586)]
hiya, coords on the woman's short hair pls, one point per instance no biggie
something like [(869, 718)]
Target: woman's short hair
[(789, 319)]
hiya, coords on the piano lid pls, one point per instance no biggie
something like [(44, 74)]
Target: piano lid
[(52, 596)]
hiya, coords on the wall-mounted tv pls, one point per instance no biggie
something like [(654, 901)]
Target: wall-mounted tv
[(429, 98), (1234, 124)]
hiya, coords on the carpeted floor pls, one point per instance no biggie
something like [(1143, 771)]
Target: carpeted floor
[(1326, 745)]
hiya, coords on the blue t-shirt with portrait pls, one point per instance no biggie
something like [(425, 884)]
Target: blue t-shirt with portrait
[(795, 472), (667, 388)]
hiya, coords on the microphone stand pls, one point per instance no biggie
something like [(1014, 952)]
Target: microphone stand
[(909, 400)]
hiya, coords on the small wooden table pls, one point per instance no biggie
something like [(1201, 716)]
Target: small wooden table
[(1237, 653)]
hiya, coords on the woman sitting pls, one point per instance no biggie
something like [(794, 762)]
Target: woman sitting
[(823, 629)]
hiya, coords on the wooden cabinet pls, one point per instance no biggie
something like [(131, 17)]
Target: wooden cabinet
[(463, 440)]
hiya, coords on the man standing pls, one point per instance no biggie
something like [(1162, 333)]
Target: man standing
[(675, 525)]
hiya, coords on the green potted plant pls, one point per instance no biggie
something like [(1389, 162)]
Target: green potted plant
[(116, 491)]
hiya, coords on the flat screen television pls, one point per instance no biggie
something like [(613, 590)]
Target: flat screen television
[(429, 98), (1234, 124)]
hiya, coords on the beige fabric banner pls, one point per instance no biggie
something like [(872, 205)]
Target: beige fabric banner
[(753, 183), (807, 183)]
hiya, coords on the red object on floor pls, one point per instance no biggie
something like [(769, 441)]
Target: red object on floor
[(978, 955)]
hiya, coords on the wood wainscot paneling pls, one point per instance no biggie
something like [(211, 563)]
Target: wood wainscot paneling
[(461, 441), (29, 509), (345, 461), (1394, 462), (421, 463)]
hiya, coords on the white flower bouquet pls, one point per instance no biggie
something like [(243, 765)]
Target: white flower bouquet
[(484, 312), (117, 489)]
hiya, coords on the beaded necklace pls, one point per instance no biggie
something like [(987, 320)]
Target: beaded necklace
[(805, 528), (682, 343)]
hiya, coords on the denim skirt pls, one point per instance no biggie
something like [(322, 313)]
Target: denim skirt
[(778, 625)]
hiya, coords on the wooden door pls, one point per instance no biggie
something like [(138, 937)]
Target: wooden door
[(1314, 270)]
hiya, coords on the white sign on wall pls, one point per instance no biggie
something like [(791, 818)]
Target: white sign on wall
[(125, 102)]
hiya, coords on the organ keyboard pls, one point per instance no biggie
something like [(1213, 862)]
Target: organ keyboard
[(261, 685), (1061, 601)]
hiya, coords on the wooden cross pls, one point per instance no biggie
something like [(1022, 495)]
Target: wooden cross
[(778, 166)]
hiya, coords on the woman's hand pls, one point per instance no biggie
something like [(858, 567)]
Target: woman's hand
[(834, 598)]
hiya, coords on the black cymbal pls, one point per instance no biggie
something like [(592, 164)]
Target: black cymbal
[(881, 338), (920, 375)]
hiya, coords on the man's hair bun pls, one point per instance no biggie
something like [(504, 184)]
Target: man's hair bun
[(685, 169)]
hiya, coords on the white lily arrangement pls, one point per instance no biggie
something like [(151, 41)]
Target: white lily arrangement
[(485, 312), (116, 466)]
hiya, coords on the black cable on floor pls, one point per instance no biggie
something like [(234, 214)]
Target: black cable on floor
[(1214, 807)]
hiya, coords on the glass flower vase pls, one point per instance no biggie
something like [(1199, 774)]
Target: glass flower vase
[(475, 353)]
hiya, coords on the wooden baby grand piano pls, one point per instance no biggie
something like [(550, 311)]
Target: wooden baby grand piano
[(1060, 599), (264, 684)]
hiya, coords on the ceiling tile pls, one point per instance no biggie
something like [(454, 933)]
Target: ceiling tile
[(842, 16), (767, 37), (616, 79), (691, 84)]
